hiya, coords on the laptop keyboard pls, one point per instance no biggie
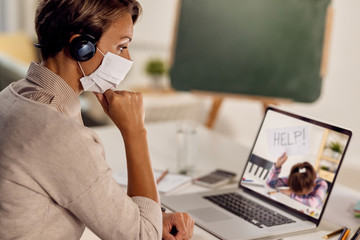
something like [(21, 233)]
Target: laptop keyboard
[(249, 210)]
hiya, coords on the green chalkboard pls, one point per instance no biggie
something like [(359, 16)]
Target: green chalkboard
[(269, 48)]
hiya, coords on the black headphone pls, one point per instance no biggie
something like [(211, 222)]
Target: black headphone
[(83, 47)]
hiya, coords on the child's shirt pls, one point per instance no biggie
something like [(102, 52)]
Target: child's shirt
[(314, 199)]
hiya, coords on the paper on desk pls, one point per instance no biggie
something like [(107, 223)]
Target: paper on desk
[(170, 182), (292, 140)]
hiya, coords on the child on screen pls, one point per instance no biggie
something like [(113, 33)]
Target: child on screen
[(304, 185)]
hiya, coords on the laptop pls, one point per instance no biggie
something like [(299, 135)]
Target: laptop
[(264, 204)]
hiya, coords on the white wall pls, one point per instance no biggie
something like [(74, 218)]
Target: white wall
[(17, 15), (153, 35)]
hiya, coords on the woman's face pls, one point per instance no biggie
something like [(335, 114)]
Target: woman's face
[(115, 39), (118, 37)]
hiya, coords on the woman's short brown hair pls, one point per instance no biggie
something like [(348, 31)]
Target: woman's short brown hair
[(302, 177), (57, 20)]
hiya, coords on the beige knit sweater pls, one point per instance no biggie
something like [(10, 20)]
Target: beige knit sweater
[(54, 179)]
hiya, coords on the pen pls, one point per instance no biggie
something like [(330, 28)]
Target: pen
[(247, 180), (162, 176), (343, 233), (346, 234), (273, 192), (251, 183), (356, 235), (334, 233)]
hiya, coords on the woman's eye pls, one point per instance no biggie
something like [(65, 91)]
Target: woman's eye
[(122, 49)]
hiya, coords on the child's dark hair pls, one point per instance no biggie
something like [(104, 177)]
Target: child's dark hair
[(302, 176)]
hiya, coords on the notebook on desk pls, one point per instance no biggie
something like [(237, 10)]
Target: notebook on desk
[(264, 204)]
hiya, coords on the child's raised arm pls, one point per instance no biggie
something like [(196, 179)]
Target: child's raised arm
[(281, 160), (273, 179)]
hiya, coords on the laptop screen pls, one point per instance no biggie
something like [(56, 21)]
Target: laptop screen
[(294, 161)]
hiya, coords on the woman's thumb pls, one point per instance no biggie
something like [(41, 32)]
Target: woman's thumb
[(109, 94)]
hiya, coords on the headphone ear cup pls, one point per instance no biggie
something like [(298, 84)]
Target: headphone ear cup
[(82, 48)]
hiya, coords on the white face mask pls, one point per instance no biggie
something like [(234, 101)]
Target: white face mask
[(108, 75)]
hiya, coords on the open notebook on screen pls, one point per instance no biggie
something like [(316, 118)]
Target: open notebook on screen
[(285, 185)]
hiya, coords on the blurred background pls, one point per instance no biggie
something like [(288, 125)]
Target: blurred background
[(151, 51)]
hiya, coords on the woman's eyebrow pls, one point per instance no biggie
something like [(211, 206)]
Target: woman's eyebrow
[(127, 38)]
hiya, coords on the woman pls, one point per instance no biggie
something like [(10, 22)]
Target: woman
[(54, 180)]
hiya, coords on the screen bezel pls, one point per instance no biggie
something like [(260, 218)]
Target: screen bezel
[(312, 121)]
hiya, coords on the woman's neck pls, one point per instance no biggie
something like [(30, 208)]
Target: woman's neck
[(67, 69)]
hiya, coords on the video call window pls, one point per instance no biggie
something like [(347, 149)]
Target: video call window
[(294, 162)]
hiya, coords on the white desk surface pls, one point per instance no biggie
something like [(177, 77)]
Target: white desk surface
[(218, 151)]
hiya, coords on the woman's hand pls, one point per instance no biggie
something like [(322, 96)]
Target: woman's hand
[(281, 160), (183, 223), (127, 112), (125, 109)]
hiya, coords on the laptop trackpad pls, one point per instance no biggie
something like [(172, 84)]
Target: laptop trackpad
[(209, 214)]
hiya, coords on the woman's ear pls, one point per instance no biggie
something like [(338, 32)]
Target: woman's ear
[(73, 36), (67, 49)]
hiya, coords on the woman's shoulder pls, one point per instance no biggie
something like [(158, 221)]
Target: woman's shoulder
[(46, 137), (38, 119)]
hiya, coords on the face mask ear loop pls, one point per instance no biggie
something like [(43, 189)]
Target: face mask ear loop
[(81, 68), (100, 51)]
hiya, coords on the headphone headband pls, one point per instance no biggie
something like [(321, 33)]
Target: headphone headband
[(38, 45), (82, 48)]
